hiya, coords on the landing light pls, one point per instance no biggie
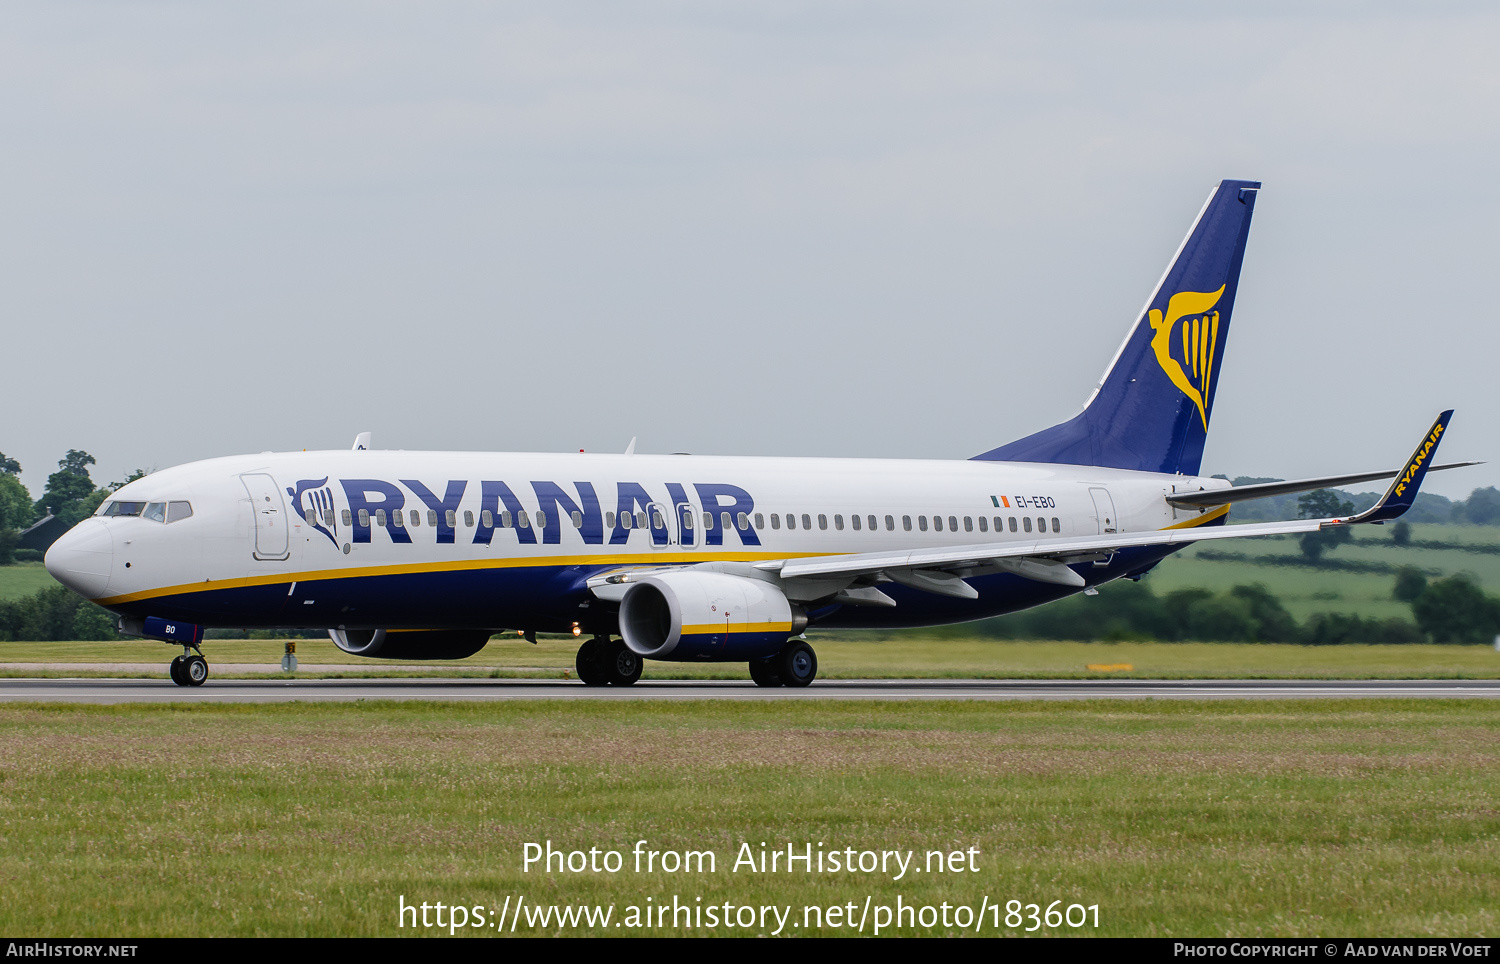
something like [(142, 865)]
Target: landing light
[(577, 631)]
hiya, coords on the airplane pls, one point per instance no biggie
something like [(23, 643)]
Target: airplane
[(427, 555)]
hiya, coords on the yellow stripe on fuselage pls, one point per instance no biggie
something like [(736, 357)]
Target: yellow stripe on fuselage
[(1204, 519), (465, 565)]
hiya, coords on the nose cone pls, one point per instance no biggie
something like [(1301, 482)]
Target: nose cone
[(81, 559)]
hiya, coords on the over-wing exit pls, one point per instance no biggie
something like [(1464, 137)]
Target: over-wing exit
[(426, 555)]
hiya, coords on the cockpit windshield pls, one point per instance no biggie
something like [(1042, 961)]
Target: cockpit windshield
[(152, 511)]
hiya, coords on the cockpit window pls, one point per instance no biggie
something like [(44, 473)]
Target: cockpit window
[(154, 511)]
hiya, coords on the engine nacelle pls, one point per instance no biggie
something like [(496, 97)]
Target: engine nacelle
[(707, 616), (410, 643)]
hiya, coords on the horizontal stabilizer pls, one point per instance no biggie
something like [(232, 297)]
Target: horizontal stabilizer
[(1265, 490)]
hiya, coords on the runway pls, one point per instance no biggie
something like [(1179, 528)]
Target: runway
[(335, 690)]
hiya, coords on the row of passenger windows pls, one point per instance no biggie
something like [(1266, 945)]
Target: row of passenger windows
[(741, 521), (873, 523), (151, 511)]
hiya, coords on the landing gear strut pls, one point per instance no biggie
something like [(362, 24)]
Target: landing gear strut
[(189, 669), (795, 665), (607, 662)]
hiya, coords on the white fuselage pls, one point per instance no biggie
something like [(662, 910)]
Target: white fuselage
[(312, 539)]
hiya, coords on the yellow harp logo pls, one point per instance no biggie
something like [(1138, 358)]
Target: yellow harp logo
[(1200, 338)]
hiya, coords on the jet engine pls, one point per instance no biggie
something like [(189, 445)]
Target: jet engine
[(709, 616), (410, 643)]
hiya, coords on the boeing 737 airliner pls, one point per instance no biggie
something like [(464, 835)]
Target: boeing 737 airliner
[(425, 555)]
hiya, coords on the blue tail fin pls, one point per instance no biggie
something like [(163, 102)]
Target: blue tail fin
[(1152, 408)]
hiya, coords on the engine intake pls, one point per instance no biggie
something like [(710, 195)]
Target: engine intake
[(707, 616), (410, 643)]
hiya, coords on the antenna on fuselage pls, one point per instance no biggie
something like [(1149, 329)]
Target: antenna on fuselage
[(630, 449), (362, 442)]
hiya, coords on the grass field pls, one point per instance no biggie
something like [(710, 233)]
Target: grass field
[(24, 579), (856, 656), (1304, 590), (1175, 818)]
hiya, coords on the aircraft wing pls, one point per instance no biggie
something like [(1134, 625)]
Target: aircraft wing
[(942, 569)]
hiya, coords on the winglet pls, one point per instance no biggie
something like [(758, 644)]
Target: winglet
[(1403, 491)]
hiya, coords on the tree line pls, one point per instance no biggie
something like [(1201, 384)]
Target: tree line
[(1449, 610), (70, 495)]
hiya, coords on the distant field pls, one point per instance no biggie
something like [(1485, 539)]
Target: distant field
[(859, 656), (23, 579), (1305, 590), (1175, 818)]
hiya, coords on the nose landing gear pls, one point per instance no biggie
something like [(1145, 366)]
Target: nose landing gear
[(189, 669)]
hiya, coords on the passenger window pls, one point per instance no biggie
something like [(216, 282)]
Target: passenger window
[(807, 521), (889, 523), (687, 518), (609, 519), (346, 519), (327, 516), (451, 518), (640, 520), (743, 521), (853, 520), (922, 522), (775, 521), (626, 520), (822, 521), (1026, 523), (177, 511), (1041, 524), (660, 523), (487, 519), (1013, 524), (523, 521), (505, 518), (708, 521), (953, 523), (724, 521), (577, 518), (432, 518), (364, 518), (397, 519), (984, 525), (760, 520), (937, 523), (1056, 525), (838, 522), (541, 519), (156, 512)]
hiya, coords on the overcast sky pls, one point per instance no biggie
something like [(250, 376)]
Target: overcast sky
[(851, 229)]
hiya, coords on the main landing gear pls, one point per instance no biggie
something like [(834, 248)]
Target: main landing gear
[(189, 669), (607, 662), (795, 665)]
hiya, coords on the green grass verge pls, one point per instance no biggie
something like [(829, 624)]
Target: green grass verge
[(859, 656), (1177, 818)]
